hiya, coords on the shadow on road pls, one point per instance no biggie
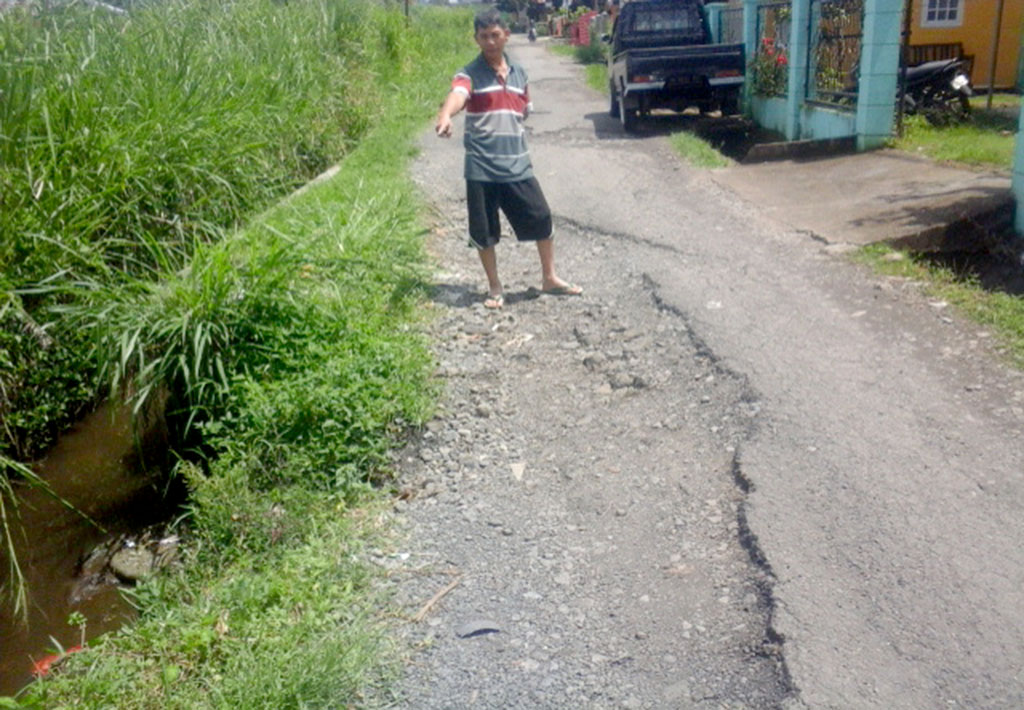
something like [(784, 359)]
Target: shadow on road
[(455, 295), (732, 136), (992, 272)]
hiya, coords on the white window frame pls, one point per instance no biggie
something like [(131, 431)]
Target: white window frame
[(933, 5)]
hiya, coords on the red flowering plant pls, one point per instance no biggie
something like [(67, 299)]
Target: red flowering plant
[(770, 69)]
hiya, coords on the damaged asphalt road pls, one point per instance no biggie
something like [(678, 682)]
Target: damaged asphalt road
[(738, 472)]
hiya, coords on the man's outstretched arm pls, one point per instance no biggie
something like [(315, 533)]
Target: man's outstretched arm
[(455, 102)]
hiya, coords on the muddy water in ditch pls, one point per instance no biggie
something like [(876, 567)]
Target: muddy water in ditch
[(118, 482)]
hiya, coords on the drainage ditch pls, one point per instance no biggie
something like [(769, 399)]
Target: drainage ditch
[(120, 487)]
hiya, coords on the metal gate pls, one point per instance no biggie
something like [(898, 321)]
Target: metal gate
[(730, 25), (770, 63), (835, 30)]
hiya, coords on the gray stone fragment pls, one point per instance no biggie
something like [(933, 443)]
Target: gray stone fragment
[(620, 380), (132, 563)]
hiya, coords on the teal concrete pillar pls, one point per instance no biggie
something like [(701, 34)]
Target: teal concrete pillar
[(798, 51), (879, 69), (714, 17), (750, 44), (1018, 176)]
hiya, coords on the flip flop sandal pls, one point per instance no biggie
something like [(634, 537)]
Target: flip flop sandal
[(494, 302), (566, 290)]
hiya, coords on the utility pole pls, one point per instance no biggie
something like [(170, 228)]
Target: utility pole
[(908, 11), (995, 52)]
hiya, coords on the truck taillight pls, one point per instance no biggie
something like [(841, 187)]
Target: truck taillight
[(727, 72), (641, 79)]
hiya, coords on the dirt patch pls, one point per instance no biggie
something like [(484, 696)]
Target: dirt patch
[(732, 136)]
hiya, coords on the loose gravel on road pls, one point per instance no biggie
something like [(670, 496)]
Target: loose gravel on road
[(573, 526)]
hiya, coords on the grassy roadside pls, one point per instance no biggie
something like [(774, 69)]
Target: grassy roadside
[(697, 152), (297, 340), (590, 57), (987, 140), (597, 77), (1002, 312)]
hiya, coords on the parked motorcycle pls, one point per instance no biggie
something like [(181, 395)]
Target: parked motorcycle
[(531, 34), (940, 91)]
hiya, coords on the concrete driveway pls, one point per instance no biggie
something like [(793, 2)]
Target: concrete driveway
[(880, 196)]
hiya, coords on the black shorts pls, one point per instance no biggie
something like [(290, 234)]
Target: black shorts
[(522, 202)]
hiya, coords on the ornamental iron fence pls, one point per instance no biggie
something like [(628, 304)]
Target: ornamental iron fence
[(770, 64), (730, 25), (835, 33)]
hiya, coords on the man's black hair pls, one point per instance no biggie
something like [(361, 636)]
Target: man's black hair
[(488, 18)]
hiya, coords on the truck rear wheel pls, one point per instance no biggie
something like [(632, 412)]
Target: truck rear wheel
[(730, 103), (627, 116)]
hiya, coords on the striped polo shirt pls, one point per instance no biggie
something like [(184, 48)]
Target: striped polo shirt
[(495, 139)]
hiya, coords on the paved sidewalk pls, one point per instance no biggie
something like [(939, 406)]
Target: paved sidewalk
[(879, 196)]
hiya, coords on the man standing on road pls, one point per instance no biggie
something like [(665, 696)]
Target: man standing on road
[(499, 174)]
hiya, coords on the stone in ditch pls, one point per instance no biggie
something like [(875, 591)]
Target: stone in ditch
[(166, 551), (95, 561), (132, 563)]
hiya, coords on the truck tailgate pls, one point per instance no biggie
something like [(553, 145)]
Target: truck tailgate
[(708, 60)]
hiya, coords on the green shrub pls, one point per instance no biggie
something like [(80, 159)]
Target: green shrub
[(594, 53), (44, 385), (161, 126), (129, 142)]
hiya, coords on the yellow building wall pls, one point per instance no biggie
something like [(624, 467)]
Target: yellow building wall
[(976, 34)]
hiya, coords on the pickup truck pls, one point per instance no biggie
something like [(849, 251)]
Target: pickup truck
[(662, 57)]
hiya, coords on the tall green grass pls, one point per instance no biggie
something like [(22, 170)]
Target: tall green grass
[(132, 144), (124, 139), (129, 146), (225, 345), (293, 345), (127, 141)]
